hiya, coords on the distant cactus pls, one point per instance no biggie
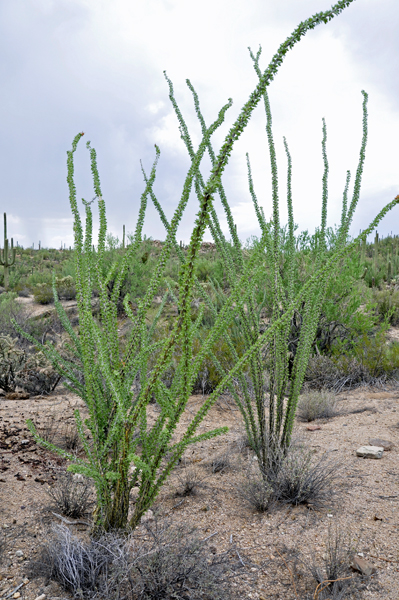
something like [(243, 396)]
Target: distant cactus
[(6, 259)]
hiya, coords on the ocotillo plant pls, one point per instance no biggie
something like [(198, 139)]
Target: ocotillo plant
[(7, 256), (271, 424), (126, 446)]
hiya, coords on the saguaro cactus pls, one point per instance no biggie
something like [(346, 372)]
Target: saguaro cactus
[(6, 259)]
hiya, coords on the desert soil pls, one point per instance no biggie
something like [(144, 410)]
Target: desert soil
[(365, 505)]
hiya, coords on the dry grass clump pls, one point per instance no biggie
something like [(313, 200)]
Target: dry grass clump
[(163, 561), (317, 405), (295, 477), (71, 495), (221, 463), (323, 373), (80, 568), (331, 575), (70, 438), (189, 480), (49, 429), (254, 490)]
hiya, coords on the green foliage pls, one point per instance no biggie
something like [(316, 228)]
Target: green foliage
[(43, 292), (387, 305), (296, 298), (375, 354), (129, 448)]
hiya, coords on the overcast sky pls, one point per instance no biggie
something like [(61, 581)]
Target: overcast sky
[(97, 66)]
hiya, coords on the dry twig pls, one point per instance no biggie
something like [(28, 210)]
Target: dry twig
[(328, 581)]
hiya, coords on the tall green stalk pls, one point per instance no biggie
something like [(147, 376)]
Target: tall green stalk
[(126, 448), (269, 424)]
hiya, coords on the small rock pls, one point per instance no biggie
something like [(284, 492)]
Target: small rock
[(363, 566), (41, 597), (386, 444), (313, 427), (370, 451), (148, 516), (19, 553), (16, 595), (78, 477)]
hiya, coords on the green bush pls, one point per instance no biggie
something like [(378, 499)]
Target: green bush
[(387, 305), (377, 355), (43, 293)]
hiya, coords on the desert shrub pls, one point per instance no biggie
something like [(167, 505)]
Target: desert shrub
[(254, 490), (163, 561), (66, 288), (43, 293), (12, 359), (22, 290), (316, 405), (221, 462), (303, 479), (38, 376), (387, 305), (172, 562), (336, 374), (70, 438), (71, 495), (333, 575), (80, 568), (49, 429), (378, 357), (9, 308), (291, 477), (189, 480)]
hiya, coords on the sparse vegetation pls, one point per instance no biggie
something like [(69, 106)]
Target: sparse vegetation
[(163, 561), (71, 495), (317, 405), (190, 479), (222, 462), (294, 476), (335, 580)]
